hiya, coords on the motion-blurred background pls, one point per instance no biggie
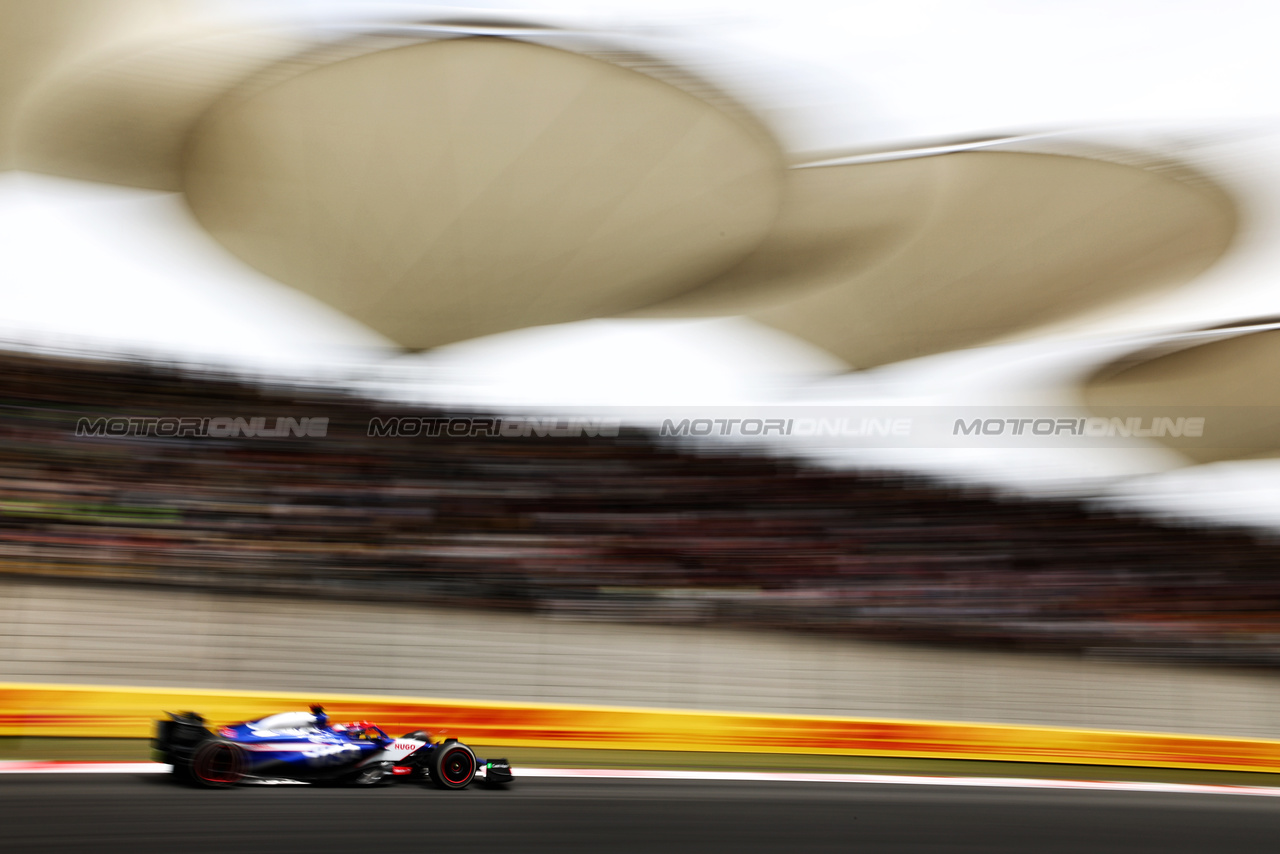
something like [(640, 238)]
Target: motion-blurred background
[(891, 359)]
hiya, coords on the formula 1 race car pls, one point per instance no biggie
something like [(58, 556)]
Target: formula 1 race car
[(302, 747)]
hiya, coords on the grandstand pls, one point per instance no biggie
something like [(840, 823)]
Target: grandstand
[(620, 527)]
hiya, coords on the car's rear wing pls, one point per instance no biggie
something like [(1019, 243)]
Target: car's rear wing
[(178, 736)]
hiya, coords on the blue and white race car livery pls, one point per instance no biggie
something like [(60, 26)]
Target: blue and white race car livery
[(304, 747)]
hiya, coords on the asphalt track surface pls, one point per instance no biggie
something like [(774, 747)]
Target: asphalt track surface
[(144, 813)]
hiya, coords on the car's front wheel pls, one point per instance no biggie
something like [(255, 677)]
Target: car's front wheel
[(453, 766)]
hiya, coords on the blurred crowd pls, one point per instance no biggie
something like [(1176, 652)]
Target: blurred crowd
[(623, 527)]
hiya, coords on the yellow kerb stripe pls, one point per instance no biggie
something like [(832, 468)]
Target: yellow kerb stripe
[(30, 709)]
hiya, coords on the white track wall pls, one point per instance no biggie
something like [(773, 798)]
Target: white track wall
[(53, 632)]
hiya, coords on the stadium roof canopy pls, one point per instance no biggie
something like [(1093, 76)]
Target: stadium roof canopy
[(1228, 376), (451, 189), (439, 187), (886, 260)]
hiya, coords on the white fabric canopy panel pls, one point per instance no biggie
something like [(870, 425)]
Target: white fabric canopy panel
[(883, 261), (452, 189), (1232, 383)]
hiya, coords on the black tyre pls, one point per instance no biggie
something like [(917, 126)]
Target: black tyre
[(218, 764), (453, 766)]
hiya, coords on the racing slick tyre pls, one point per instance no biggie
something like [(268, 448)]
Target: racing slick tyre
[(218, 765), (453, 766)]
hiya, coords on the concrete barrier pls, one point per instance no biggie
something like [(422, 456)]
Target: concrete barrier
[(85, 634)]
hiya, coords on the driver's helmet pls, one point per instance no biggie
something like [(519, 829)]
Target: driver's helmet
[(356, 729), (322, 720)]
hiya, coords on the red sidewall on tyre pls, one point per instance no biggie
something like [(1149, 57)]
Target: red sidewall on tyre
[(218, 764), (455, 768)]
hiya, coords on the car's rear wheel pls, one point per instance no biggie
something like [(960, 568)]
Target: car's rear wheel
[(218, 764), (454, 766)]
